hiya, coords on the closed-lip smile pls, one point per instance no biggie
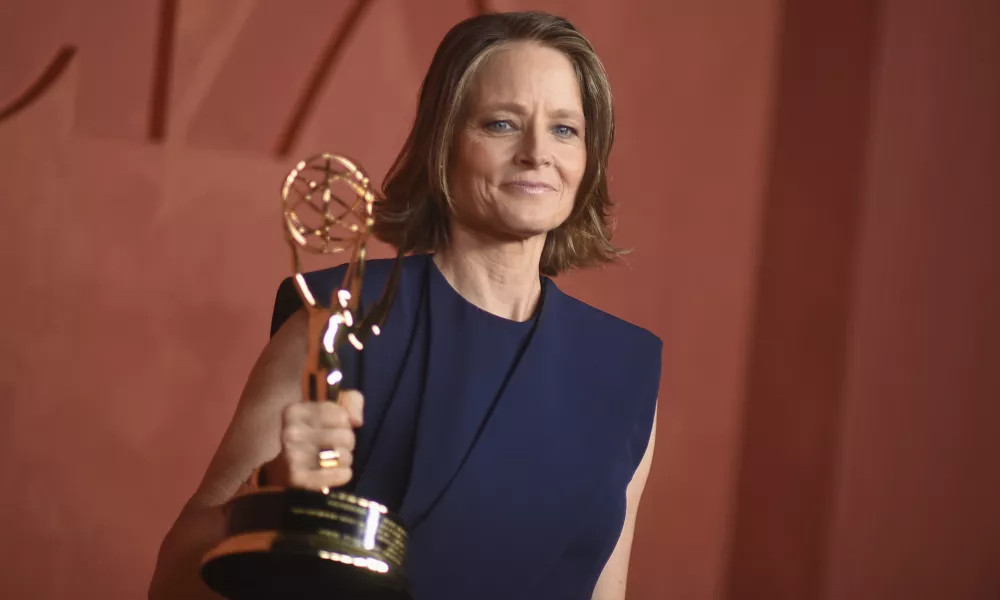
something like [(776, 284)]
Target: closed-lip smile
[(530, 187)]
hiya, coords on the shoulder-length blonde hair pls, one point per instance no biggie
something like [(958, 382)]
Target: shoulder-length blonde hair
[(414, 211)]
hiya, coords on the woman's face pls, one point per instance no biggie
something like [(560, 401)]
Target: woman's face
[(519, 153)]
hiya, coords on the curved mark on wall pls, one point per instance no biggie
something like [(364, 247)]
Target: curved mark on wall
[(324, 68), (45, 81), (321, 73)]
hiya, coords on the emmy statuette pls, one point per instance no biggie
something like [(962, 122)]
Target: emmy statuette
[(299, 544)]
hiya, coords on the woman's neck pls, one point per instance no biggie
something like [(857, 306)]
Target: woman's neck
[(501, 278)]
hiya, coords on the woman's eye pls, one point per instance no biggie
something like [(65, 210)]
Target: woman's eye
[(499, 126), (564, 131)]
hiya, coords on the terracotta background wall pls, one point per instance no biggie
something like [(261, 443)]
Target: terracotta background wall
[(812, 190)]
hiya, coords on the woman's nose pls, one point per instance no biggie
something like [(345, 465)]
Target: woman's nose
[(534, 150)]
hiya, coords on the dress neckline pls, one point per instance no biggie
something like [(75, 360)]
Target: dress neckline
[(438, 278)]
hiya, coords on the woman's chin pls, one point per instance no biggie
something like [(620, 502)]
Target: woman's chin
[(512, 227), (526, 231), (530, 226)]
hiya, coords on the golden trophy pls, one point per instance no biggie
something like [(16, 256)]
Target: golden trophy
[(301, 544)]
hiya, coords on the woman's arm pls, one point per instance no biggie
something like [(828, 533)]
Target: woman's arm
[(252, 439), (611, 584)]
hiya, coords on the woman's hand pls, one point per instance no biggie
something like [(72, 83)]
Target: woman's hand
[(311, 428)]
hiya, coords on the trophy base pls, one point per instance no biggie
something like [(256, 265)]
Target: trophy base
[(301, 545)]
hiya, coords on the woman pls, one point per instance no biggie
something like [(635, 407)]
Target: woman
[(510, 426)]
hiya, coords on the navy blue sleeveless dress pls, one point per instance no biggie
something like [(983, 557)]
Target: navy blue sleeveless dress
[(505, 447)]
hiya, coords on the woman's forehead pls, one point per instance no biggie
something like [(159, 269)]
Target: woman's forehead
[(525, 75)]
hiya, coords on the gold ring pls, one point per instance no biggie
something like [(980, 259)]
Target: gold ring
[(329, 459)]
